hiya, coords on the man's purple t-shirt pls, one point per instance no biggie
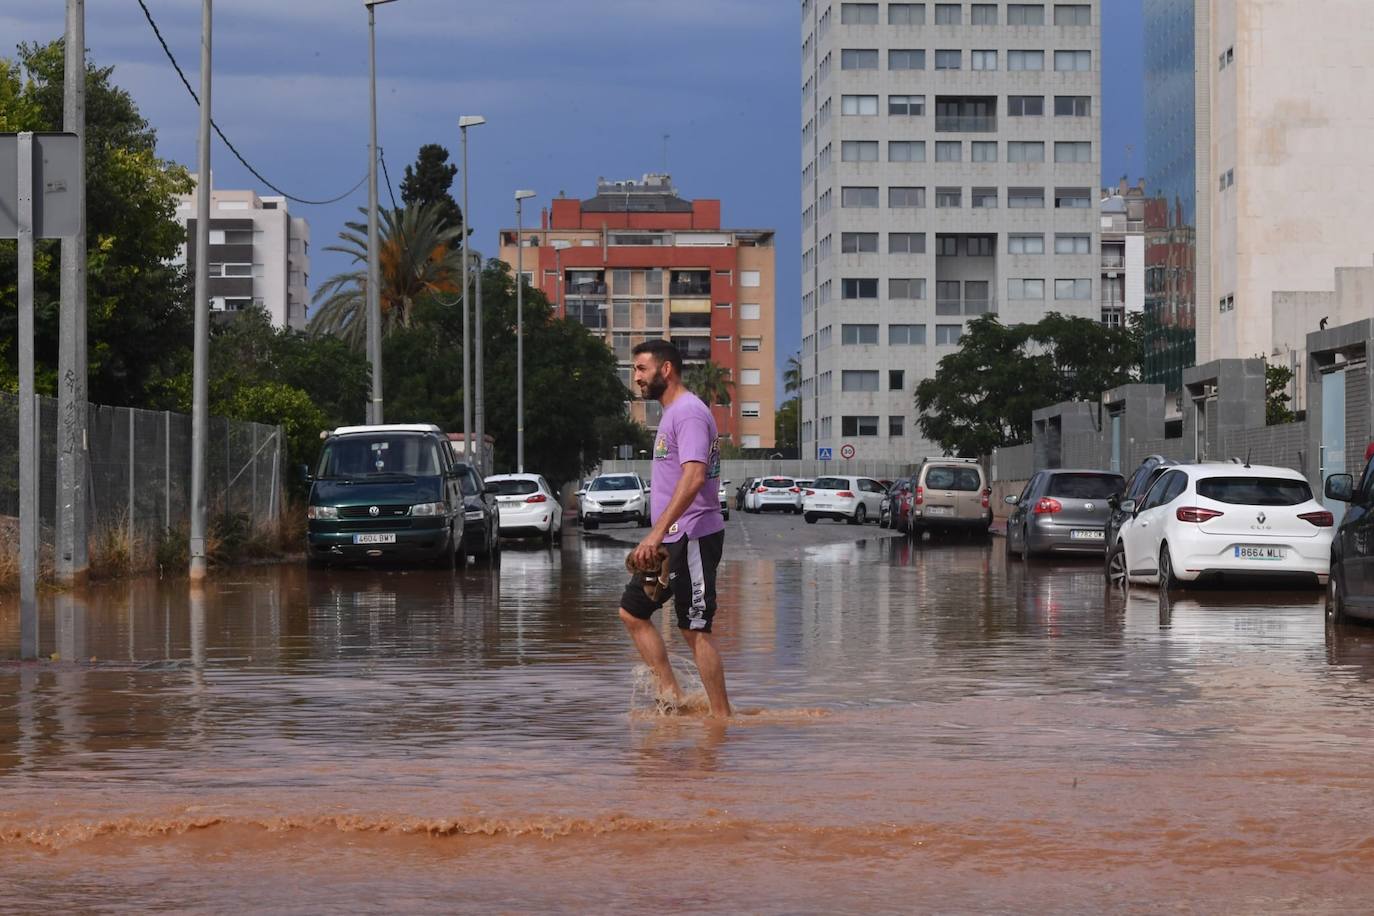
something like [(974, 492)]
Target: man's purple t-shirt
[(687, 432)]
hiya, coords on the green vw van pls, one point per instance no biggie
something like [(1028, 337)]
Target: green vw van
[(384, 493)]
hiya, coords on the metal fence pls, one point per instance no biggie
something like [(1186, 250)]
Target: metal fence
[(139, 468)]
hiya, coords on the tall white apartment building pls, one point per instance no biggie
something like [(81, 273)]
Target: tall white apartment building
[(950, 169)]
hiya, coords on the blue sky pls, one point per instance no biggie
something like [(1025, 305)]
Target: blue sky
[(571, 91)]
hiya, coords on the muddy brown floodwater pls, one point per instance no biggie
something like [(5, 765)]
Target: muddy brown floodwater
[(921, 729)]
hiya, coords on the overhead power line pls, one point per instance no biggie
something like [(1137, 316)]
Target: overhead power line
[(381, 154), (237, 155)]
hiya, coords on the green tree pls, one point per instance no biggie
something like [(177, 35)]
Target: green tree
[(709, 381), (427, 183), (1276, 396), (415, 261), (792, 374), (139, 319), (785, 425)]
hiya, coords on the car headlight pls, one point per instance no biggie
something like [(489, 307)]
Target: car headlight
[(589, 503), (427, 510), (322, 513)]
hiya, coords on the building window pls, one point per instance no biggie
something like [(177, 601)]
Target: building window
[(909, 105), (858, 14), (859, 380), (858, 104), (859, 59), (750, 377), (1025, 244), (949, 150), (857, 334), (903, 198), (906, 59), (896, 427), (1073, 106), (859, 151), (949, 198), (980, 246), (1025, 106), (1227, 304), (858, 426), (1072, 198), (858, 242), (1025, 60), (906, 151), (906, 14), (896, 380), (749, 311), (750, 344), (983, 150), (620, 313), (1025, 14), (906, 335), (1073, 151), (949, 60), (1073, 61), (906, 243), (906, 288), (947, 246), (1079, 290), (653, 314), (1073, 14), (859, 288), (948, 14), (1025, 151), (1025, 198), (858, 197), (749, 410), (983, 199), (983, 60), (749, 278), (1072, 243), (983, 14), (1026, 289), (948, 334)]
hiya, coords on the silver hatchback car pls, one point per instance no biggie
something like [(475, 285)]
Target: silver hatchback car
[(1062, 511)]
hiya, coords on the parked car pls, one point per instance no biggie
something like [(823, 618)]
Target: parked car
[(1350, 588), (615, 498), (481, 517), (949, 494), (773, 493), (742, 492), (897, 505), (1223, 521), (1061, 511), (1137, 485), (528, 507), (581, 492), (852, 499), (389, 492), (725, 499), (802, 484)]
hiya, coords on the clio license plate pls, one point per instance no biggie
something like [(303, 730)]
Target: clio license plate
[(1270, 554)]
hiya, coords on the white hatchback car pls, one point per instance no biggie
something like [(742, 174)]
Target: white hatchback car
[(528, 507), (772, 493), (615, 498), (1223, 521), (854, 499)]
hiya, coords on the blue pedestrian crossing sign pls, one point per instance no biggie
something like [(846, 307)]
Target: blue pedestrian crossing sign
[(825, 454)]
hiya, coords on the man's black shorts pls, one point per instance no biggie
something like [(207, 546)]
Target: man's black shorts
[(692, 577)]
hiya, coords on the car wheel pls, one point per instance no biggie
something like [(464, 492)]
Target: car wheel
[(1116, 570), (860, 516), (1335, 596), (883, 520), (1026, 551), (810, 518), (1167, 580)]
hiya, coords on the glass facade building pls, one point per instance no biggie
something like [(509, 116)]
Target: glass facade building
[(1171, 211)]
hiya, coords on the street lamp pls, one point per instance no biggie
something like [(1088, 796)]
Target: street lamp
[(464, 123), (374, 294), (520, 198)]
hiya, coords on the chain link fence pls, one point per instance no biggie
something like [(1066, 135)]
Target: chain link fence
[(139, 470)]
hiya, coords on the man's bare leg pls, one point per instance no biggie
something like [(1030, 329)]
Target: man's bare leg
[(654, 653), (711, 670)]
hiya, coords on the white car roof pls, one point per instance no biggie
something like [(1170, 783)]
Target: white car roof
[(1227, 468), (534, 477)]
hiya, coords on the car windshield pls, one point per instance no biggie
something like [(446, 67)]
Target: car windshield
[(1255, 491), (356, 457), (619, 482), (778, 483), (831, 483), (1084, 486), (514, 487), (943, 478)]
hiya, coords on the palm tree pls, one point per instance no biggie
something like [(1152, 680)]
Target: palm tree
[(709, 381), (792, 374), (415, 258)]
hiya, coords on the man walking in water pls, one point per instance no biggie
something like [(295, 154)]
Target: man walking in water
[(685, 508)]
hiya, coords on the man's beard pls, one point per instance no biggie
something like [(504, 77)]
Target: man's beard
[(653, 391)]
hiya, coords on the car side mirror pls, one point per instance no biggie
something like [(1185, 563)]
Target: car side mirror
[(1011, 500), (1128, 506), (303, 472), (1340, 487)]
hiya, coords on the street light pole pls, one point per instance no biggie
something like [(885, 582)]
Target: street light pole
[(479, 383), (520, 198), (464, 123), (200, 411), (374, 293)]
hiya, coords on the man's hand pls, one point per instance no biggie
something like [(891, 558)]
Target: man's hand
[(645, 555)]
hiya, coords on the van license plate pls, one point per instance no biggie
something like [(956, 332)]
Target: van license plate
[(388, 538), (939, 510), (1261, 553)]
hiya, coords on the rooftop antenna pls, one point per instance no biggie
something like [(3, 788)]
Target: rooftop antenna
[(1247, 455)]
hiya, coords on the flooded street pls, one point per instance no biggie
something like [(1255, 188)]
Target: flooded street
[(918, 728)]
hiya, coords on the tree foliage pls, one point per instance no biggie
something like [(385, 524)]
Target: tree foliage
[(709, 381), (1276, 396), (982, 395), (138, 300), (785, 425), (427, 183)]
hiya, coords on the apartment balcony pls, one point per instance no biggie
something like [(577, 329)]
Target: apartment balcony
[(1113, 262), (586, 289), (697, 348), (968, 124), (689, 289)]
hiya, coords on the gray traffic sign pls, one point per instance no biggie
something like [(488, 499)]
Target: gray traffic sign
[(56, 213)]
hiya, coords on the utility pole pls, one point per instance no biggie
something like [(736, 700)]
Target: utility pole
[(200, 411), (72, 547), (520, 198), (464, 123), (374, 292), (479, 382)]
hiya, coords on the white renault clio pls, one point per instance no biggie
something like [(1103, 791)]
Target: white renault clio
[(1223, 521)]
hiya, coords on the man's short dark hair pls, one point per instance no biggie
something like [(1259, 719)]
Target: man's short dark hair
[(663, 351)]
